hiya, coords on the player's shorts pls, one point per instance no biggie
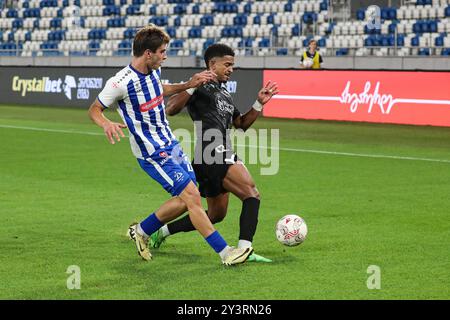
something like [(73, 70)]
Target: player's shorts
[(170, 168), (210, 176)]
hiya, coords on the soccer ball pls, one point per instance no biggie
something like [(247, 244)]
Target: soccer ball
[(291, 230), (308, 62)]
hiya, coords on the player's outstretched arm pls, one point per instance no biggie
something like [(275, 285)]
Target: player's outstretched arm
[(264, 95), (197, 80), (112, 129), (176, 103)]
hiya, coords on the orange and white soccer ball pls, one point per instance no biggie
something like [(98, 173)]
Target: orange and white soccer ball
[(291, 230)]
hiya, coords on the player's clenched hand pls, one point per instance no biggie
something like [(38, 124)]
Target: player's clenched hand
[(114, 130), (266, 93), (201, 78)]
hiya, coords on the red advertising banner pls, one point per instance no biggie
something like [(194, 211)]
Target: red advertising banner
[(403, 97)]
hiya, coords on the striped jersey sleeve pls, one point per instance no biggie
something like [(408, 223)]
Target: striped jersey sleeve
[(111, 93)]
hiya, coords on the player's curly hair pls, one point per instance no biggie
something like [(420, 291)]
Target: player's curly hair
[(150, 37), (217, 50)]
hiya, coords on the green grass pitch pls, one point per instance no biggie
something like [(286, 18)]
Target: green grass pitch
[(67, 197)]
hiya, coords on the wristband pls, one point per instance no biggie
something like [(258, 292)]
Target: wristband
[(191, 91), (257, 105)]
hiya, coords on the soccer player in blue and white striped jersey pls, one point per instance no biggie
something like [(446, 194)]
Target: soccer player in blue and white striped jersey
[(137, 92)]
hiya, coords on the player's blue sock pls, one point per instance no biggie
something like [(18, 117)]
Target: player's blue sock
[(151, 224), (216, 241)]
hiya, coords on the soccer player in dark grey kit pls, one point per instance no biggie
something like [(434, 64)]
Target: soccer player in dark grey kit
[(211, 107)]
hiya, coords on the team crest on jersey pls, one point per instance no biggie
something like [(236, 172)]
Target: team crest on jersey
[(223, 106), (149, 105), (163, 154)]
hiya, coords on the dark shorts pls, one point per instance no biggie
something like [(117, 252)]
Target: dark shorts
[(210, 177)]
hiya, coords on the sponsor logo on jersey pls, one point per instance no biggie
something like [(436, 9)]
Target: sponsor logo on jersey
[(149, 105)]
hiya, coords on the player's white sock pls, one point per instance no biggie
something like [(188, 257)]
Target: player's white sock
[(244, 244), (141, 231), (165, 231), (224, 251)]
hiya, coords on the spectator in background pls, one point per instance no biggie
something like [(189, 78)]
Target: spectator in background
[(311, 59)]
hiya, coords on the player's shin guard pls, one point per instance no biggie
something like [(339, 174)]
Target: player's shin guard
[(249, 219), (181, 225)]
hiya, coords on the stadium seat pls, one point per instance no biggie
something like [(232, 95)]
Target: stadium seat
[(234, 22)]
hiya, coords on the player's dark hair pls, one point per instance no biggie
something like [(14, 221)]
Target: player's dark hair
[(217, 50), (150, 37)]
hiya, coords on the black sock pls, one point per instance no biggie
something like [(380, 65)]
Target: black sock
[(249, 219), (183, 224)]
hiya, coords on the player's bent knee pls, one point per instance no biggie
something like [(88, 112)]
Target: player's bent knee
[(251, 192), (218, 216), (217, 219), (191, 196)]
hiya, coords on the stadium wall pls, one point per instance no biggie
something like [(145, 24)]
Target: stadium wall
[(79, 86), (353, 62), (402, 97)]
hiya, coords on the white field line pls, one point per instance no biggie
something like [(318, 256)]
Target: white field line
[(350, 154)]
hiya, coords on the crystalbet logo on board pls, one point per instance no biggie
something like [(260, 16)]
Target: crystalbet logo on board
[(47, 85)]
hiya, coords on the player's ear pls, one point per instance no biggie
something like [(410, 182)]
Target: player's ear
[(211, 64)]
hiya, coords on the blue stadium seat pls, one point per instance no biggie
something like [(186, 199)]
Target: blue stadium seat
[(180, 9), (94, 45), (424, 52), (12, 13), (287, 8), (361, 14), (248, 8), (415, 41), (309, 17), (17, 23), (171, 32), (56, 35), (306, 41), (56, 23), (111, 11), (439, 41), (264, 43), (129, 33), (368, 42), (296, 30), (125, 44), (207, 20), (342, 52), (133, 10), (195, 32), (239, 20), (207, 43), (392, 27), (392, 13), (196, 9), (282, 52)]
